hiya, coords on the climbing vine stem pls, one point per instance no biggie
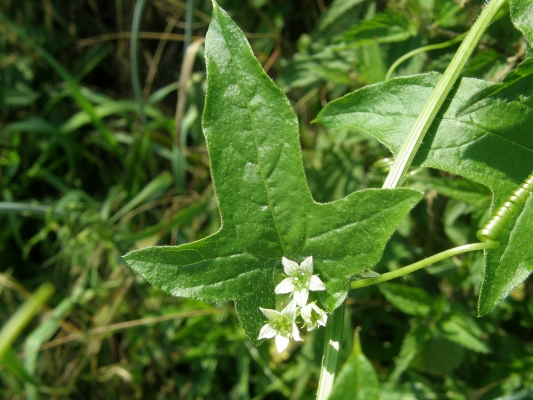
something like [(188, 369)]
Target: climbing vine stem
[(424, 263)]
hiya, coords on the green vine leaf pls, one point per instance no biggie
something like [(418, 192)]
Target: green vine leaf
[(522, 17), (266, 208), (483, 132)]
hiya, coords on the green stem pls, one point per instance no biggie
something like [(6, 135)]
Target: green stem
[(422, 50), (407, 152), (424, 263), (330, 359)]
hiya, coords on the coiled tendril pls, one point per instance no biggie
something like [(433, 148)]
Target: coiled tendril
[(494, 227)]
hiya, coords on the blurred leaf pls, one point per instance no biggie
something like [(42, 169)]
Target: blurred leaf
[(457, 231), (448, 13), (182, 217), (33, 124), (22, 96), (105, 110), (414, 340), (463, 330), (439, 356), (410, 300), (469, 192), (387, 27), (15, 367), (370, 64), (160, 183), (14, 326), (336, 10), (357, 379)]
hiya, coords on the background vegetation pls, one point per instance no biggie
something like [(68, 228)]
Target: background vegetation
[(84, 179)]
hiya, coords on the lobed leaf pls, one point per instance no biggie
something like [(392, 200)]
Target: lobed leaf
[(266, 208)]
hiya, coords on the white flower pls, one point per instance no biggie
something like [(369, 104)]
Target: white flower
[(281, 326), (313, 316), (300, 280)]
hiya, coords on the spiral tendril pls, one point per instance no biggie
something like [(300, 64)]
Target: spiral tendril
[(494, 227)]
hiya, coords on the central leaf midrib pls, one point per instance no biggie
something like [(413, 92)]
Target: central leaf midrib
[(270, 207)]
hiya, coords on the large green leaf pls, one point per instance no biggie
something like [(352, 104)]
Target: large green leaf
[(522, 17), (483, 132), (266, 209)]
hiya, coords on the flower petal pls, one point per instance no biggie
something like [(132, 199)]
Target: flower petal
[(267, 332), (290, 267), (290, 310), (316, 284), (285, 286), (296, 333), (301, 296), (272, 315), (307, 266), (323, 316), (281, 343), (305, 312)]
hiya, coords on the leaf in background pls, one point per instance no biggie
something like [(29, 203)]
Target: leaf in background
[(357, 379), (439, 356), (387, 27), (336, 10), (482, 133), (409, 300), (463, 190), (266, 209), (462, 329), (522, 17), (414, 340)]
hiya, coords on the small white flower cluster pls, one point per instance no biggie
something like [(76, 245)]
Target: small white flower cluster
[(300, 280)]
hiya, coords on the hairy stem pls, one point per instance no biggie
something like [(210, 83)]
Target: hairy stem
[(424, 263), (330, 359), (414, 139)]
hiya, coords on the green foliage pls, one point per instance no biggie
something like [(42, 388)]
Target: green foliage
[(83, 182), (469, 138), (265, 206)]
